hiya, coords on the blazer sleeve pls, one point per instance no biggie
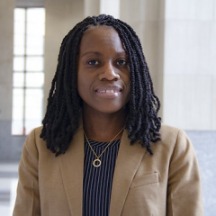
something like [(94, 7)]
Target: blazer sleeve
[(184, 189), (28, 200)]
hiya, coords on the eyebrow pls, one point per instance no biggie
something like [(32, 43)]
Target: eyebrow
[(100, 54)]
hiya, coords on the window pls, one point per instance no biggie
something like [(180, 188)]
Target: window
[(28, 69)]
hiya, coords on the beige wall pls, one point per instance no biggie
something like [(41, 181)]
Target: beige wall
[(189, 64), (91, 9), (61, 16), (6, 58), (9, 150)]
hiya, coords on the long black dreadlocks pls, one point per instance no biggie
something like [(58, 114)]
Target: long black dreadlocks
[(64, 104)]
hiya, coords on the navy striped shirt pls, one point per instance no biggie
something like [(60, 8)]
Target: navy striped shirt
[(97, 182)]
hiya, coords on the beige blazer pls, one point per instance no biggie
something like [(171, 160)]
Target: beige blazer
[(166, 183)]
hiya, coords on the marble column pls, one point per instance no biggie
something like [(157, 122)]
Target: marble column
[(61, 16), (6, 73)]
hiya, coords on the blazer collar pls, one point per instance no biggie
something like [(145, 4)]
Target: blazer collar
[(71, 166)]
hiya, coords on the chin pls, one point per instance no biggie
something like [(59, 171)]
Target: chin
[(111, 110)]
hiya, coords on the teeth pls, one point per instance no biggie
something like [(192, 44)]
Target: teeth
[(110, 91), (107, 90)]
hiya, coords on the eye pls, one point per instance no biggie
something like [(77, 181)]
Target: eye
[(93, 62), (121, 62)]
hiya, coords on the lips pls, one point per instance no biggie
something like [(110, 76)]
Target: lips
[(108, 91)]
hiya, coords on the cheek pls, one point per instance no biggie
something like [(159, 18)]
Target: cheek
[(83, 85), (80, 84)]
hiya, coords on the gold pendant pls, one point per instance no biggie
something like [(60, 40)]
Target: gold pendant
[(96, 162)]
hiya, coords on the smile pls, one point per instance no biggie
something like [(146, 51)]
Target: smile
[(108, 92)]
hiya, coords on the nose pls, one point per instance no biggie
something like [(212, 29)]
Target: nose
[(109, 72)]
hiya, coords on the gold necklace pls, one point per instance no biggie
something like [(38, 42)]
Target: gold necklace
[(97, 161)]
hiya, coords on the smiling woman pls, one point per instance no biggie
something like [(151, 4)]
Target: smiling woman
[(102, 149), (103, 73)]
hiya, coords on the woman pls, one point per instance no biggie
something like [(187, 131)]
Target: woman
[(102, 149)]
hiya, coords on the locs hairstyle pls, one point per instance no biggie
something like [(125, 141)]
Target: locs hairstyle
[(63, 113)]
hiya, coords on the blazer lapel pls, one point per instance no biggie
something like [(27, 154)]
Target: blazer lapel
[(71, 167), (127, 163)]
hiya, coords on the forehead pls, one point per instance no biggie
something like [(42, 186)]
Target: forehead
[(100, 36)]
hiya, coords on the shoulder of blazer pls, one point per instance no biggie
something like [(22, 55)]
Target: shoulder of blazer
[(172, 140)]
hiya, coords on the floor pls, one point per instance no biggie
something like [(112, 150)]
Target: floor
[(8, 184)]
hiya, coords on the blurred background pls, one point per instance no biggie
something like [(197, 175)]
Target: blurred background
[(179, 43)]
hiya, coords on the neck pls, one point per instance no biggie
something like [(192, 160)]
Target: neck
[(103, 127)]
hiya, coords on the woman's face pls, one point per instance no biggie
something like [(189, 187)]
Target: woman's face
[(103, 71)]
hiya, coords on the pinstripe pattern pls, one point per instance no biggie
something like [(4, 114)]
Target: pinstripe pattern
[(97, 182)]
